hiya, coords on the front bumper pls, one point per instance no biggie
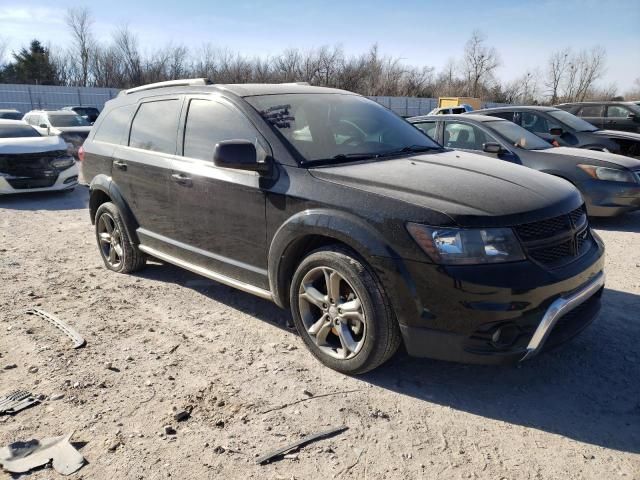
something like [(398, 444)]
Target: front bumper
[(494, 314), (608, 199), (63, 180)]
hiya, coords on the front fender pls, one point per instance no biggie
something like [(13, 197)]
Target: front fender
[(350, 230), (105, 185)]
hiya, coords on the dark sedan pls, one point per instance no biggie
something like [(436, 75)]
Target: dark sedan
[(609, 183), (566, 130), (613, 115)]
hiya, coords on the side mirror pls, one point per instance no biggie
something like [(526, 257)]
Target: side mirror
[(556, 132), (238, 154), (491, 147), (43, 125)]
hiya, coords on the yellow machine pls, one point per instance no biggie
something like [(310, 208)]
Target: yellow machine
[(456, 101)]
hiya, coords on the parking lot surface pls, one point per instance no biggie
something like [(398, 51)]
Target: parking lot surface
[(165, 340)]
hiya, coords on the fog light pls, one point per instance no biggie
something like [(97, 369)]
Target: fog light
[(71, 179), (505, 336)]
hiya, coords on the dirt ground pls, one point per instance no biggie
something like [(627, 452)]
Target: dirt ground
[(176, 341)]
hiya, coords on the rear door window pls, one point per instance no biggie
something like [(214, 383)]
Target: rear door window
[(590, 111), (536, 123), (429, 128), (155, 126), (114, 127)]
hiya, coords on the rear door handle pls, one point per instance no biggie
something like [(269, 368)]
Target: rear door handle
[(181, 179), (119, 164)]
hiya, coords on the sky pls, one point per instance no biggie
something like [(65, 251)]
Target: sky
[(427, 32)]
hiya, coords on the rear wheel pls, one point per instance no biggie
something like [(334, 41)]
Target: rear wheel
[(116, 249), (341, 312)]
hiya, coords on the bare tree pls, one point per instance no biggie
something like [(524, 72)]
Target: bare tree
[(4, 46), (79, 21), (479, 62), (556, 71), (127, 51)]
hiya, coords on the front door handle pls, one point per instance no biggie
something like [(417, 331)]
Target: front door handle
[(119, 164), (181, 179)]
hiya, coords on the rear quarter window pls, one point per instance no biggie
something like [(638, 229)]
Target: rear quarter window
[(114, 127)]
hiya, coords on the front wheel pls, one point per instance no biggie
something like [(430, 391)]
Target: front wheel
[(341, 311), (116, 249)]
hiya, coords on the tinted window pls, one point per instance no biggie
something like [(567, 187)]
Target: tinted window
[(209, 123), (115, 125), (505, 115), (67, 120), (337, 126), (17, 131), (537, 123), (155, 126), (428, 127), (590, 111), (617, 111), (465, 136)]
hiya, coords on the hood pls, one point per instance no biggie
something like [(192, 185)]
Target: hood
[(596, 157), (470, 188), (10, 146), (617, 134)]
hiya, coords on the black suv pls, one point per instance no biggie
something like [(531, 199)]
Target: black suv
[(613, 115), (564, 129), (328, 203)]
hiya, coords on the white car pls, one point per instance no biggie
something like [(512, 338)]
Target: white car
[(69, 125), (31, 162), (464, 108)]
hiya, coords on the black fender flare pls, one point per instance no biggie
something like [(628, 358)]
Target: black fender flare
[(333, 224), (105, 184)]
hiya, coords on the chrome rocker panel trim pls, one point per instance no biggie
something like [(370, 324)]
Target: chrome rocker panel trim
[(557, 309), (245, 287)]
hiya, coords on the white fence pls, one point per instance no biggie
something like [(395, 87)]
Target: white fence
[(30, 97)]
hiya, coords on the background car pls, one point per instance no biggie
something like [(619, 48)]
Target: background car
[(613, 115), (451, 110), (609, 183), (10, 114), (90, 114), (31, 162), (564, 129), (69, 125)]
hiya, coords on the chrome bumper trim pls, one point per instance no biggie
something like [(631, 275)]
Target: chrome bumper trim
[(557, 309)]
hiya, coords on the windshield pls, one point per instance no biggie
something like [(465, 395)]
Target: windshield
[(572, 121), (11, 115), (68, 120), (17, 131), (339, 127), (518, 136)]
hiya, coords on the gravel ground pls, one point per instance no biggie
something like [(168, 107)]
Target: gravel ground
[(177, 341)]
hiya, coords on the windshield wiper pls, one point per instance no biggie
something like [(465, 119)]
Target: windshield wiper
[(410, 149)]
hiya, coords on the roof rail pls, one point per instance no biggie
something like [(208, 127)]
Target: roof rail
[(186, 82)]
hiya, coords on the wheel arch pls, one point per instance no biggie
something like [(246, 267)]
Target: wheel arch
[(311, 229), (103, 189)]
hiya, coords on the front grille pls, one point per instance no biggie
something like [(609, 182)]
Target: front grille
[(557, 241), (24, 183)]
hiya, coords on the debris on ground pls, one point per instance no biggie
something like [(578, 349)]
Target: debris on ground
[(20, 457), (78, 340), (16, 401), (300, 443)]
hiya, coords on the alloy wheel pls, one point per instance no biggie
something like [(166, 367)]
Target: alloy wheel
[(110, 239), (332, 313)]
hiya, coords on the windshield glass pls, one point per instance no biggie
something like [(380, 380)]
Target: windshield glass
[(17, 131), (330, 126), (572, 121), (68, 120), (518, 136)]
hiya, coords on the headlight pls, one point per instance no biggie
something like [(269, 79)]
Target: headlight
[(454, 246), (609, 174), (62, 162)]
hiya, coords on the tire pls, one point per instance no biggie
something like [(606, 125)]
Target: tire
[(116, 249), (353, 333)]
